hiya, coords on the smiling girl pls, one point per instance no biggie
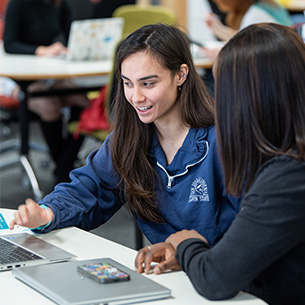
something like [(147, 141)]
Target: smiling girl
[(161, 157)]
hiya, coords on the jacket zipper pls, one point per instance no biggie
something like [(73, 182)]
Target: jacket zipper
[(171, 178)]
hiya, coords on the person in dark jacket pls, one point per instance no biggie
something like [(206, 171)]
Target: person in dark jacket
[(161, 157), (260, 122), (41, 28)]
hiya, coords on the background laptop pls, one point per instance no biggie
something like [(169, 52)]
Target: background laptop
[(65, 285), (22, 249), (94, 39)]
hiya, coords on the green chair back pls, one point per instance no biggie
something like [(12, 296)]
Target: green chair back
[(136, 16)]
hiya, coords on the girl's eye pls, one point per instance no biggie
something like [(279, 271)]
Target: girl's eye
[(128, 84)]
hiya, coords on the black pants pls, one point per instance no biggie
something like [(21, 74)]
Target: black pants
[(62, 145)]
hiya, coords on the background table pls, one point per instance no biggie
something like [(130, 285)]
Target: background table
[(89, 246), (30, 67)]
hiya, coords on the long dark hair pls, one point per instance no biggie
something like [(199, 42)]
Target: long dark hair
[(260, 101), (132, 139)]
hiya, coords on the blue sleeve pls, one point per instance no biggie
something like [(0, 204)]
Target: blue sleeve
[(91, 198)]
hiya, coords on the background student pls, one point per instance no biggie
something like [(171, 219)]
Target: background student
[(242, 13), (260, 122), (41, 28), (161, 157)]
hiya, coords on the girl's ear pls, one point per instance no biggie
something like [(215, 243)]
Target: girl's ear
[(182, 74)]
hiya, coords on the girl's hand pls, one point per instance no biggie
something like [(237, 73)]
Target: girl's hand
[(31, 215)]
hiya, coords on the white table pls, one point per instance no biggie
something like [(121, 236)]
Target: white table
[(30, 67), (89, 246)]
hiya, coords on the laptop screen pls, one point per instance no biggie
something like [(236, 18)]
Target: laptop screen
[(94, 39)]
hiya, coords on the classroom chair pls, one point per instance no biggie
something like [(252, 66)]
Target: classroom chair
[(10, 111), (136, 16)]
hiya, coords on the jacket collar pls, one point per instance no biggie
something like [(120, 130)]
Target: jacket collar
[(194, 147)]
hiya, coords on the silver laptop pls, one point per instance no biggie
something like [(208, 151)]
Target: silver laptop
[(23, 249), (94, 39), (66, 285)]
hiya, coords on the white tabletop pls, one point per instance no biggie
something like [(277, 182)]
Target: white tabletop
[(31, 67), (88, 246)]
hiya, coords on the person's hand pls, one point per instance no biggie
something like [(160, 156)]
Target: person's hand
[(211, 53), (220, 30), (31, 215), (176, 238), (213, 22), (162, 253), (57, 48)]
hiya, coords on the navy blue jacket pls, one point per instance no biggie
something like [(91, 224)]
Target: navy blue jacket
[(190, 191)]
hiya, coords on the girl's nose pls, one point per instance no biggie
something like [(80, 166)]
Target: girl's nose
[(137, 96)]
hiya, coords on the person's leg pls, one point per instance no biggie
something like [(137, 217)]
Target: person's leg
[(69, 151), (49, 111), (70, 145), (52, 132), (63, 147)]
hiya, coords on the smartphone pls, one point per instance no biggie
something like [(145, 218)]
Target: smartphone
[(103, 273)]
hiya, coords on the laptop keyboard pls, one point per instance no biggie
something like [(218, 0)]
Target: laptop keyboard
[(11, 253)]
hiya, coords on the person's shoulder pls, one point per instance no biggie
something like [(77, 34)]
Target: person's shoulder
[(14, 3), (211, 130), (208, 133), (278, 189), (281, 170), (255, 14), (282, 163), (14, 9)]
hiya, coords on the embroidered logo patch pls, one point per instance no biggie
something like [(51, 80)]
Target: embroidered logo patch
[(199, 191)]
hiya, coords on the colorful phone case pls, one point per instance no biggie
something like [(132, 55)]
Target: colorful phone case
[(103, 273)]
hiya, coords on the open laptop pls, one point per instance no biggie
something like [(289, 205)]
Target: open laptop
[(94, 39), (65, 285), (23, 249)]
